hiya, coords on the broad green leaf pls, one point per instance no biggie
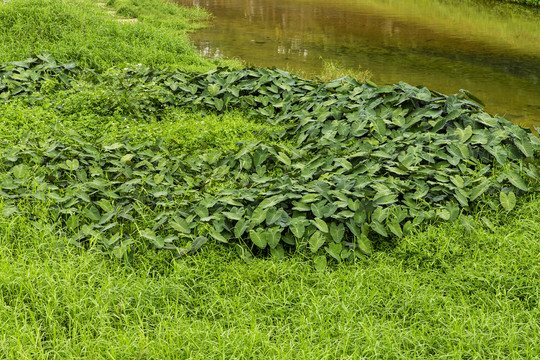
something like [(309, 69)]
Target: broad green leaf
[(320, 224), (316, 241), (281, 156), (258, 216), (272, 215), (273, 236), (337, 231), (158, 178), (379, 228), (297, 228), (364, 245), (244, 253), (197, 243), (278, 253), (240, 228), (213, 89), (320, 262), (394, 226), (127, 158), (508, 200), (516, 180), (258, 237), (202, 211), (92, 213), (480, 189), (334, 250), (218, 236), (180, 225)]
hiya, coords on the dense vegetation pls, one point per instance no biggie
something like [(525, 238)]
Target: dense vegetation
[(350, 162), (525, 2), (101, 157)]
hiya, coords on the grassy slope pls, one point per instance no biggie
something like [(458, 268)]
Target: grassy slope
[(443, 293)]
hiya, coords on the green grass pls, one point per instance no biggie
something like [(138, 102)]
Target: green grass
[(442, 293), (80, 30), (445, 292)]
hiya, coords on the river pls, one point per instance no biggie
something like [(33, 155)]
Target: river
[(489, 48)]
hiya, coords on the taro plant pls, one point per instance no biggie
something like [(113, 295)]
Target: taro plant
[(367, 163)]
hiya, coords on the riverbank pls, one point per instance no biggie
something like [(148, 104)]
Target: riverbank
[(534, 3), (459, 289)]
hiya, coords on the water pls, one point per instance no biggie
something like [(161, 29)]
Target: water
[(488, 48)]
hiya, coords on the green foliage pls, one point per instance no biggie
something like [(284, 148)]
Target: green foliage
[(534, 3), (354, 163)]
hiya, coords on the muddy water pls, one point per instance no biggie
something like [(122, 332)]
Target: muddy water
[(488, 48)]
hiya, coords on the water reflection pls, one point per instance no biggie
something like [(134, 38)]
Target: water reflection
[(441, 44)]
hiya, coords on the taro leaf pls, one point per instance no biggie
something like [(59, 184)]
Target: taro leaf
[(394, 226), (218, 236), (298, 227), (240, 228), (244, 253), (316, 241), (180, 225), (213, 89), (202, 211), (526, 147), (464, 134), (72, 165), (379, 228), (92, 213), (458, 181), (508, 200), (281, 156), (472, 97), (158, 178), (480, 189), (337, 231), (443, 214), (284, 220), (320, 224), (364, 245), (127, 158), (516, 180), (197, 243), (334, 250), (155, 240), (83, 196), (234, 214), (258, 237), (273, 236), (278, 252), (320, 262), (7, 211), (271, 201), (273, 215), (19, 171), (258, 216), (308, 198)]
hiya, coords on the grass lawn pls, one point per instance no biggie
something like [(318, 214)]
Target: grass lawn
[(459, 290)]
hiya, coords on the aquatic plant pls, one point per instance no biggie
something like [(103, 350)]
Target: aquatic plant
[(356, 164)]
